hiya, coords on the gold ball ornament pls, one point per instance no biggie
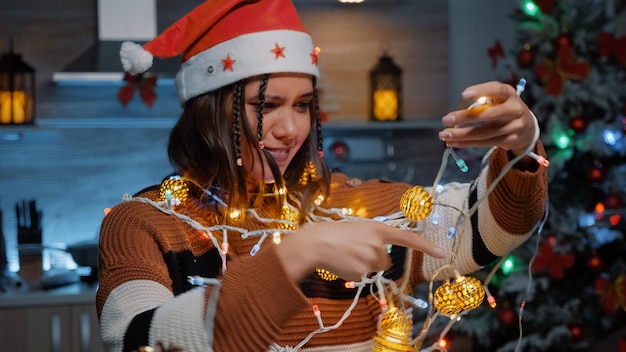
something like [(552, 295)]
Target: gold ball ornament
[(465, 293), (394, 333), (416, 203), (445, 300), (470, 292), (176, 188)]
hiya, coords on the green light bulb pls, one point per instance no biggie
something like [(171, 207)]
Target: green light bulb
[(530, 8)]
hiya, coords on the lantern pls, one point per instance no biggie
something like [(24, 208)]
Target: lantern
[(17, 90), (386, 89)]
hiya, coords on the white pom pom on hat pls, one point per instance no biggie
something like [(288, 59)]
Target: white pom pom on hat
[(135, 59), (224, 41)]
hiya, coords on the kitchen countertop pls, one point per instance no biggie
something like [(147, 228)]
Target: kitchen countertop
[(73, 294)]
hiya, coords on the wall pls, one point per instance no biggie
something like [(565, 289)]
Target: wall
[(351, 37)]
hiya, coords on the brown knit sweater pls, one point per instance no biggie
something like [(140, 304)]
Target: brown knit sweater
[(146, 256)]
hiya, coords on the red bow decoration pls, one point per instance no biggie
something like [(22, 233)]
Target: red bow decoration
[(608, 45), (145, 85), (565, 66), (494, 52), (555, 263), (546, 6), (613, 293)]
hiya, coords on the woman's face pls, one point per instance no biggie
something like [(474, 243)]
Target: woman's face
[(286, 121)]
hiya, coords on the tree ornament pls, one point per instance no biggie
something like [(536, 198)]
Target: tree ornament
[(578, 124), (597, 174), (562, 40), (549, 259), (594, 263), (577, 332), (174, 190), (465, 293), (506, 316), (546, 6), (553, 73), (416, 203), (613, 201), (613, 293), (526, 57), (394, 332), (610, 46)]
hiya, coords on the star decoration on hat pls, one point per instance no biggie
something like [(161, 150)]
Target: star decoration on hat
[(278, 51), (228, 63), (314, 54)]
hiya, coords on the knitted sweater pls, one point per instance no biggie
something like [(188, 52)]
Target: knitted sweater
[(146, 256)]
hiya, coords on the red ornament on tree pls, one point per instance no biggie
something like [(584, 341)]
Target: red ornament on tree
[(613, 201), (526, 57), (506, 316), (577, 331), (578, 124), (546, 6), (596, 174), (562, 40), (595, 263)]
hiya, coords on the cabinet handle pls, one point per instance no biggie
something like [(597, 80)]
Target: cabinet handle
[(85, 332), (55, 333)]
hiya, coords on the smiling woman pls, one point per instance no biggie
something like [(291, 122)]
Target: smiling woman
[(283, 124), (267, 250)]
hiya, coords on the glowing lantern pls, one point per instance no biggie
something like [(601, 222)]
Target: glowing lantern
[(17, 90), (386, 85)]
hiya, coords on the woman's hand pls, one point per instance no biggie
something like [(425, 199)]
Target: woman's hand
[(507, 124), (347, 249)]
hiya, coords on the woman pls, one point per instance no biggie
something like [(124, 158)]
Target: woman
[(256, 246)]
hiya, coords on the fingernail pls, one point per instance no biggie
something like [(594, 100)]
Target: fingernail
[(468, 94), (445, 135), (448, 120), (438, 252)]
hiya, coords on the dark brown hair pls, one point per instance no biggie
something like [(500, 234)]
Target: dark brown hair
[(206, 142)]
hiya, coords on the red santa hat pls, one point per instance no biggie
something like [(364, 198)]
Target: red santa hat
[(224, 41)]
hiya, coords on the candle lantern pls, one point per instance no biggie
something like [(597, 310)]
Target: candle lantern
[(386, 90), (17, 90)]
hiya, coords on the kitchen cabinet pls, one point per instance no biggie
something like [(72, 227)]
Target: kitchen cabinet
[(64, 321)]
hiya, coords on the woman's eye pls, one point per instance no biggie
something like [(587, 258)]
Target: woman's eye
[(268, 106), (303, 106)]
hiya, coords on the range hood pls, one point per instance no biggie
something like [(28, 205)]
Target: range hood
[(116, 24)]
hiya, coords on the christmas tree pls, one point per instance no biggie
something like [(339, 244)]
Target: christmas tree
[(565, 289)]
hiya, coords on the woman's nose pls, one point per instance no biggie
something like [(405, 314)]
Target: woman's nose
[(285, 126)]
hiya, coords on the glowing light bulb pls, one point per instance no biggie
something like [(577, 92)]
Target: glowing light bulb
[(276, 238), (235, 214)]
